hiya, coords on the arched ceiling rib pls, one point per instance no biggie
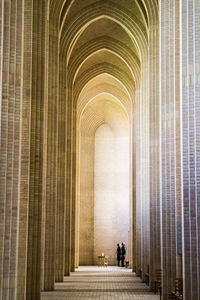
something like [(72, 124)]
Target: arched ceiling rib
[(104, 56), (103, 111), (99, 69), (101, 39), (101, 97), (60, 9), (136, 31), (145, 7), (106, 27), (104, 43), (103, 85)]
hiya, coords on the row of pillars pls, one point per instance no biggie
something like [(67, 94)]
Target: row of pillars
[(167, 185), (36, 234), (37, 227)]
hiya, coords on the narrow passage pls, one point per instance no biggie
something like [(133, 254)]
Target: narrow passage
[(101, 283)]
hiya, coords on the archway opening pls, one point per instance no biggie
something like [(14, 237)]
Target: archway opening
[(111, 191), (104, 197)]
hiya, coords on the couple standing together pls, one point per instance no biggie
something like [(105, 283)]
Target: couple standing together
[(121, 253)]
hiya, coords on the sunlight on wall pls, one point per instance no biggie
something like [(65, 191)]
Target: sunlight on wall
[(104, 185), (111, 191)]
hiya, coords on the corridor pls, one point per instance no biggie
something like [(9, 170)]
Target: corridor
[(101, 283), (99, 145)]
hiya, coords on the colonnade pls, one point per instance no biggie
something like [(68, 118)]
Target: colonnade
[(50, 53)]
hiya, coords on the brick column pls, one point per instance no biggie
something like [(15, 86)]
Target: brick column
[(61, 179), (155, 259), (35, 221), (16, 53), (190, 50), (138, 189), (68, 241), (51, 160), (170, 142)]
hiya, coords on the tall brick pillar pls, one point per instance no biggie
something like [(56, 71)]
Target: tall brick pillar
[(15, 74), (190, 136)]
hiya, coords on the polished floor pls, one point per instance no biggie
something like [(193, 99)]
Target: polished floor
[(101, 283)]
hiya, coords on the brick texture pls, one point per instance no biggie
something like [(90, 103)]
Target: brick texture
[(143, 54)]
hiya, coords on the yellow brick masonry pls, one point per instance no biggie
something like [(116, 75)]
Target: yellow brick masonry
[(45, 63)]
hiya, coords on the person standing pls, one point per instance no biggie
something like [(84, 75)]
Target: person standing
[(118, 254), (123, 251)]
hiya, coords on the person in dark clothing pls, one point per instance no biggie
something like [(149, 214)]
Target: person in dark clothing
[(118, 254), (123, 251)]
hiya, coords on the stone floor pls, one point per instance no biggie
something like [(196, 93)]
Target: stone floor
[(101, 283)]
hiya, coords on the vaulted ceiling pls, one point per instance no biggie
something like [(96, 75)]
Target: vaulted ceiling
[(103, 44)]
